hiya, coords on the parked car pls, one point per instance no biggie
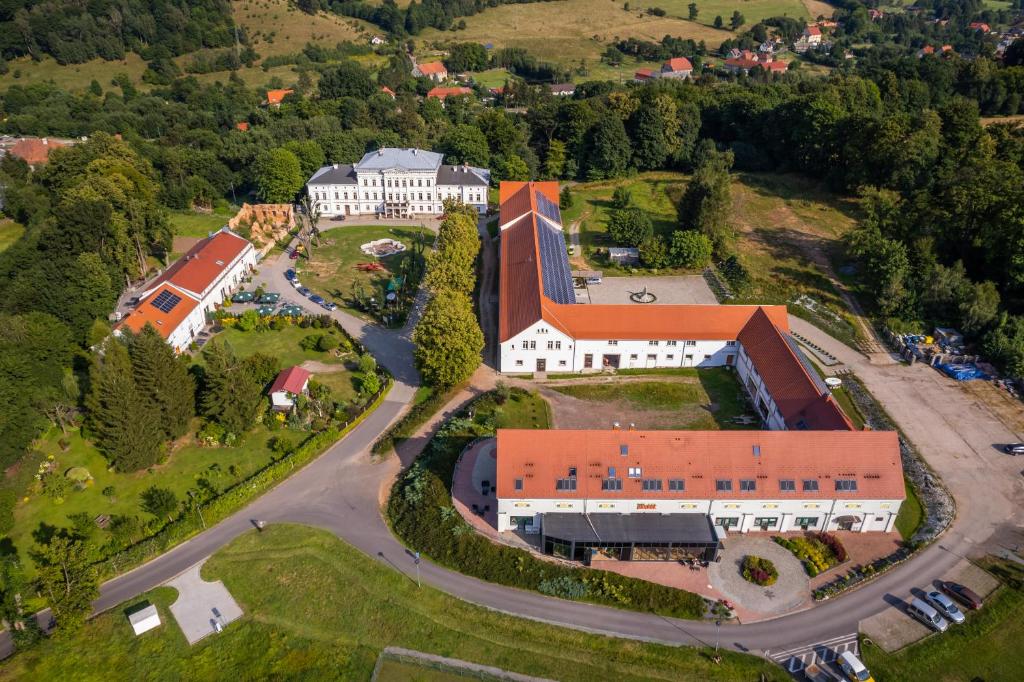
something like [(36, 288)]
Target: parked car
[(294, 255), (854, 670), (945, 606), (1014, 449), (962, 594), (297, 284), (332, 306), (319, 300), (927, 615), (290, 275), (305, 292)]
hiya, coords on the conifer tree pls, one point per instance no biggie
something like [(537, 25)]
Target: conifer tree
[(163, 381), (231, 394)]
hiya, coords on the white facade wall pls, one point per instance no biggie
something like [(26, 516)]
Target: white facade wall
[(417, 187), (180, 338), (739, 515), (220, 289), (759, 395), (592, 355), (336, 200), (471, 195)]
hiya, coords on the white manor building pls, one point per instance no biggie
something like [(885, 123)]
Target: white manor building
[(666, 495), (397, 183)]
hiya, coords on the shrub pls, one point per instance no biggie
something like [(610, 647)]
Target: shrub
[(310, 342), (759, 571), (326, 343), (564, 587), (55, 486)]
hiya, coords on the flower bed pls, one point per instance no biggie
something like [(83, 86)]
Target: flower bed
[(818, 551), (759, 571)]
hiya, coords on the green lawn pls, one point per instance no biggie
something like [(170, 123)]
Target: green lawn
[(685, 404), (194, 224), (911, 513), (392, 670), (332, 273), (315, 608), (980, 649), (492, 78), (752, 10), (10, 232), (221, 466), (283, 344)]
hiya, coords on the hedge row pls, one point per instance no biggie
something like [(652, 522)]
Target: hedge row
[(421, 513), (232, 499), (413, 419)]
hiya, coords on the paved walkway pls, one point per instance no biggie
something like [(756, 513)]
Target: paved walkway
[(789, 592), (202, 606)]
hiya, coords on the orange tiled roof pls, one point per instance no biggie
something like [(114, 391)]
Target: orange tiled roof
[(242, 125), (539, 457), (33, 150), (292, 380), (803, 403), (277, 96), (387, 91), (679, 64), (163, 322), (204, 263), (430, 68), (442, 93)]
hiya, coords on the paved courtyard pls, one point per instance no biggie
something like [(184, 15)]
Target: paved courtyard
[(201, 605), (684, 289), (789, 592)]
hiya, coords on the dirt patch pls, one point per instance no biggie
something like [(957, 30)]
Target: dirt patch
[(572, 413), (1003, 406)]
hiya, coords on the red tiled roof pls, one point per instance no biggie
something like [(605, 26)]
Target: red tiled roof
[(163, 322), (430, 68), (519, 283), (204, 263), (539, 457), (292, 380), (34, 151), (812, 31), (679, 64), (650, 322), (277, 96), (387, 91), (442, 93), (802, 403), (643, 74), (242, 125), (516, 199)]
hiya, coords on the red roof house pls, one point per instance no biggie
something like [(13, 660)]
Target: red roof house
[(275, 97), (435, 71), (290, 383), (444, 93), (34, 151)]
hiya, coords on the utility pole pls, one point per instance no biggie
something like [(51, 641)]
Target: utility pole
[(416, 560)]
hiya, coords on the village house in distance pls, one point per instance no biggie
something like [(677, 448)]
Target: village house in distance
[(397, 183)]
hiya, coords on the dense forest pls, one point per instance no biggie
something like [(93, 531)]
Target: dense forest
[(75, 32)]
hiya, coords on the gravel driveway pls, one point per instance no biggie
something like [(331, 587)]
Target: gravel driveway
[(789, 592)]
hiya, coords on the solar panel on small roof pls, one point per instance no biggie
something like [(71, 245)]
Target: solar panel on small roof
[(547, 208), (165, 301), (554, 264)]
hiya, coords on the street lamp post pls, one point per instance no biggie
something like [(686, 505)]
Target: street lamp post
[(718, 637), (416, 560)]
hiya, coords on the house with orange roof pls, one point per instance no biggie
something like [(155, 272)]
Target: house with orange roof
[(275, 97), (289, 385), (243, 126), (172, 312), (35, 151), (444, 93), (677, 67), (673, 495), (435, 71), (387, 91)]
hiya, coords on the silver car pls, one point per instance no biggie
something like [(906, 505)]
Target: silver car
[(945, 606)]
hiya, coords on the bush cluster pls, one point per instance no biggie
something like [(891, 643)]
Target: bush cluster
[(818, 551), (420, 511), (759, 571)]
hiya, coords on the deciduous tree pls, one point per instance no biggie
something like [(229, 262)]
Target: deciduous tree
[(448, 340)]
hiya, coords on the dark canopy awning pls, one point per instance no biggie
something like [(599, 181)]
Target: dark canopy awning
[(629, 528)]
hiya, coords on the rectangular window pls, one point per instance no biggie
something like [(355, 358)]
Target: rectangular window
[(652, 343), (651, 484), (572, 472), (526, 345), (846, 485), (766, 522), (806, 521), (633, 356), (727, 521), (670, 357), (689, 343), (635, 472), (676, 484), (730, 343), (561, 363), (558, 345), (565, 484), (519, 363), (613, 343), (533, 345), (670, 343), (748, 485), (611, 484), (551, 345), (723, 485), (519, 484), (787, 485), (810, 485)]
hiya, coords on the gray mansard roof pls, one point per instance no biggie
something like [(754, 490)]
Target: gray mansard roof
[(463, 175), (340, 174), (387, 158)]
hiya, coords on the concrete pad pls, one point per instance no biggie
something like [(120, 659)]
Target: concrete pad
[(678, 290), (790, 591), (201, 605), (892, 629), (980, 581)]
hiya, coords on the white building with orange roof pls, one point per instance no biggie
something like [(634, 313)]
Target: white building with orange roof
[(179, 301)]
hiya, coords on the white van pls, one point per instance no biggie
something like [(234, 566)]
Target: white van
[(927, 615), (852, 668)]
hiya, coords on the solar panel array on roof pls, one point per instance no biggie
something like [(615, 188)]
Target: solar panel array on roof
[(547, 208), (165, 301), (554, 264)]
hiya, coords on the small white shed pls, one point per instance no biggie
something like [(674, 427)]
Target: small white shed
[(145, 619)]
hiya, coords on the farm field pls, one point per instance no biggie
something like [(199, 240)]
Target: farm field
[(279, 27), (752, 10), (316, 608), (789, 232), (567, 31)]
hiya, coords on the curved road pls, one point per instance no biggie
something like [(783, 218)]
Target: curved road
[(341, 491)]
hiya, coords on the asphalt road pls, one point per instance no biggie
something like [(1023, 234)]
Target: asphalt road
[(342, 491)]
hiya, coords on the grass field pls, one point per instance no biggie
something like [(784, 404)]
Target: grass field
[(980, 649), (753, 11), (709, 402), (332, 271), (195, 224), (568, 31), (789, 231), (315, 608), (392, 670), (911, 513), (283, 345), (279, 27), (10, 232)]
